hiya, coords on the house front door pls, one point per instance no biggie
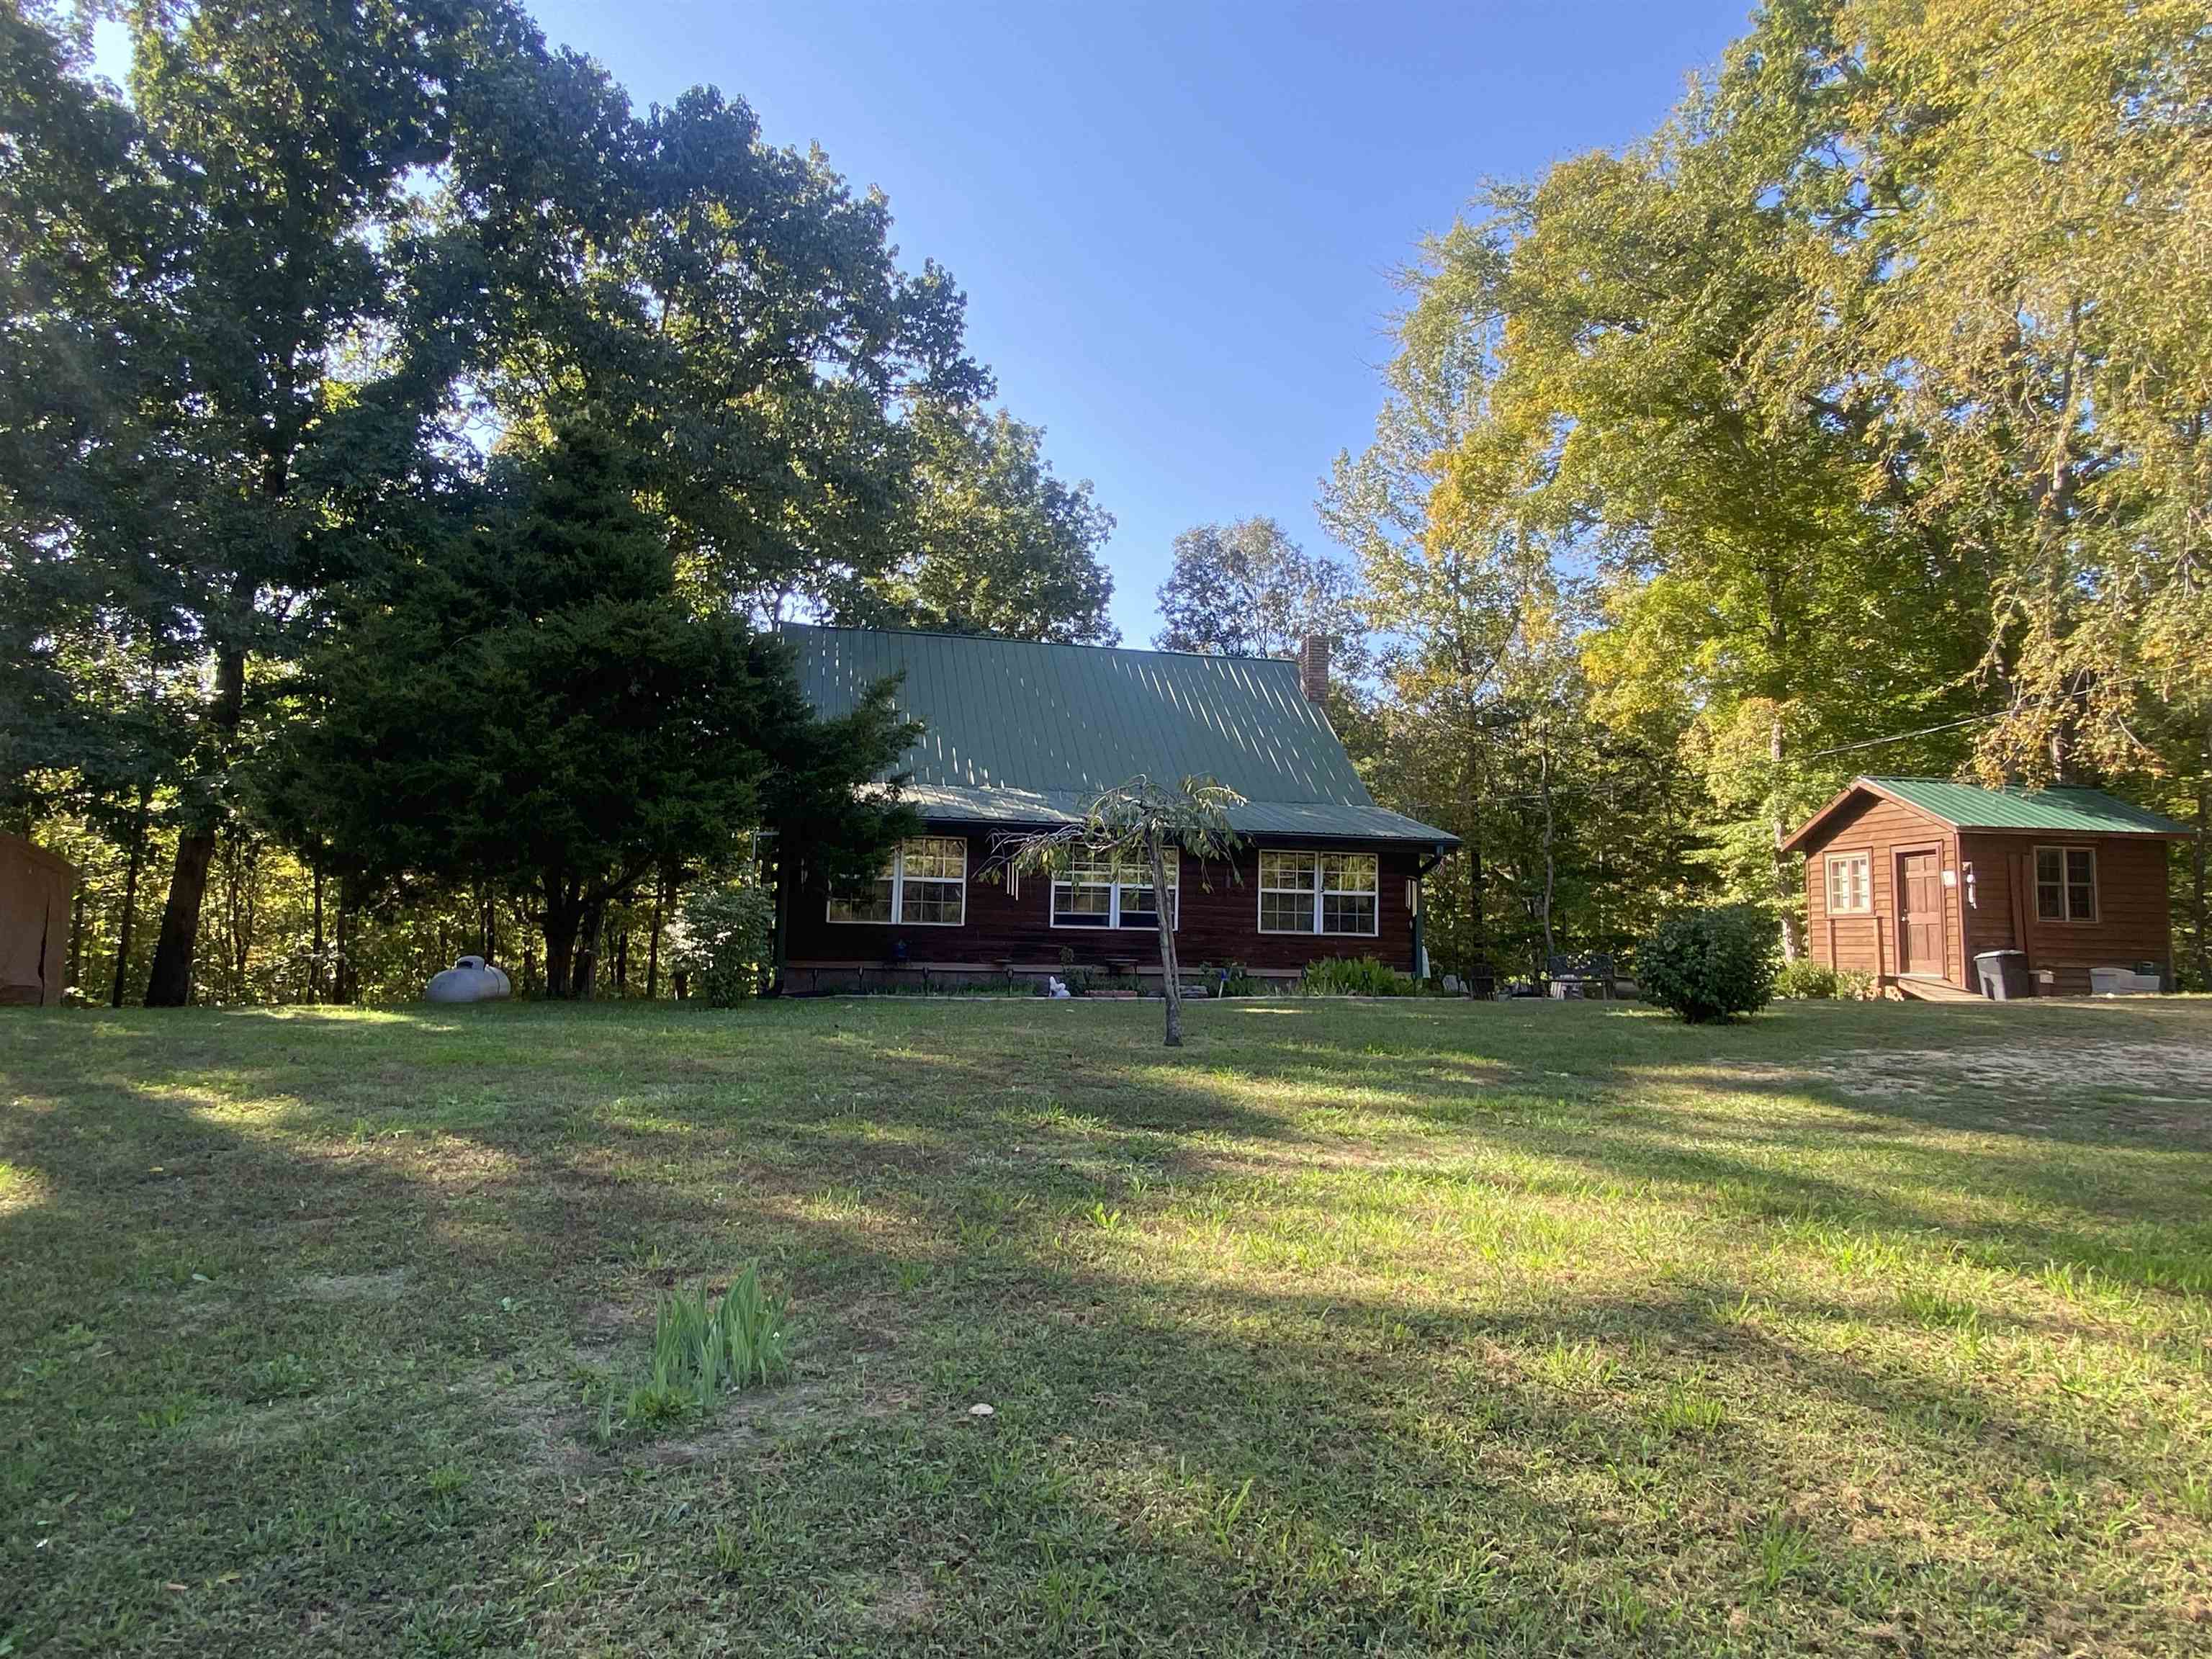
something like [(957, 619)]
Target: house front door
[(1920, 880)]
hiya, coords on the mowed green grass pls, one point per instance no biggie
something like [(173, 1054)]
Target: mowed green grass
[(1351, 1328)]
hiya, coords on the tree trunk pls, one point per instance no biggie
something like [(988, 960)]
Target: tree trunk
[(1551, 862), (343, 988), (241, 908), (131, 896), (1793, 931), (652, 941), (1479, 981), (1170, 969), (584, 973), (315, 957), (76, 937), (563, 915), (169, 985), (2200, 900)]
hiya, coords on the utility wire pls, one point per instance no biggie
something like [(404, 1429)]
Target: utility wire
[(1925, 730)]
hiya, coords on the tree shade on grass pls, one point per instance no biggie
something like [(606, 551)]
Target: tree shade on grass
[(1415, 1326)]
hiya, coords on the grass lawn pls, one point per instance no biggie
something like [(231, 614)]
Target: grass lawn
[(1387, 1328)]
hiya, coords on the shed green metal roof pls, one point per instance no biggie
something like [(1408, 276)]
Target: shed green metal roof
[(1024, 732), (1971, 806), (2072, 812)]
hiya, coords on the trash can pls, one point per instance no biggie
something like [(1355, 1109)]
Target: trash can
[(2004, 975)]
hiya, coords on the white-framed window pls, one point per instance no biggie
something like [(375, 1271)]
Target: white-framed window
[(1320, 893), (924, 885), (1851, 884), (2066, 883), (1099, 891)]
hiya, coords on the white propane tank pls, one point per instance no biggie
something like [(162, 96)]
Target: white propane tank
[(470, 980)]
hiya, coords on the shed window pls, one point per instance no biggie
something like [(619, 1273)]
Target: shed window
[(1320, 893), (1100, 891), (925, 885), (1850, 890), (2066, 883)]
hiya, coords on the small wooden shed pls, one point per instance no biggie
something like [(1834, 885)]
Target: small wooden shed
[(35, 923), (1908, 879)]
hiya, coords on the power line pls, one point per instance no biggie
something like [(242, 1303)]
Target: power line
[(1902, 736)]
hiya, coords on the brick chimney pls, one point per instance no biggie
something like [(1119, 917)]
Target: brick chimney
[(1313, 666)]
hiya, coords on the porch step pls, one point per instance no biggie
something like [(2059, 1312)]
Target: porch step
[(1935, 990)]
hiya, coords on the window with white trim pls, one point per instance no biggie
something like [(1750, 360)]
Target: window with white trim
[(1320, 893), (1098, 890), (2066, 883), (924, 885), (1851, 884)]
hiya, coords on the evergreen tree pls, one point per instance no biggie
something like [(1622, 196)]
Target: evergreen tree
[(533, 705)]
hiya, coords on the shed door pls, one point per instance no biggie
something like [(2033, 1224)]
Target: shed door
[(1921, 881)]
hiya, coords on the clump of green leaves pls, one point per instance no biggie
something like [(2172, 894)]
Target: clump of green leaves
[(721, 939), (1354, 976), (1807, 980), (1711, 965), (703, 1347)]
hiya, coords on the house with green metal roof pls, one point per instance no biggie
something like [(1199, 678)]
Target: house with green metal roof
[(1019, 735), (1939, 889)]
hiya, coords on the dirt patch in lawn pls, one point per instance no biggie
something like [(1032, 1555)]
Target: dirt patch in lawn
[(353, 1287), (900, 1603), (2158, 1073)]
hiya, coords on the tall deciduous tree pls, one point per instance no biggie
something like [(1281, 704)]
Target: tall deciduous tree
[(1248, 590), (733, 314), (279, 148), (999, 544), (2000, 217), (1765, 585), (89, 645)]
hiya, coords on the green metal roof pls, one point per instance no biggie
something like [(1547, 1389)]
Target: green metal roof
[(1021, 732), (2068, 811)]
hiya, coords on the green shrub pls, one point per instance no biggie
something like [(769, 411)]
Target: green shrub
[(722, 939), (1805, 979), (1354, 976), (1711, 965)]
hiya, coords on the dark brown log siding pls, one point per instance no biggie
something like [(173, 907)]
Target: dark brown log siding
[(1220, 922), (1991, 906)]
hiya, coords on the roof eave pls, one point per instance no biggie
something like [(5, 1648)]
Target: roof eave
[(1810, 829), (2142, 830), (1424, 835)]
